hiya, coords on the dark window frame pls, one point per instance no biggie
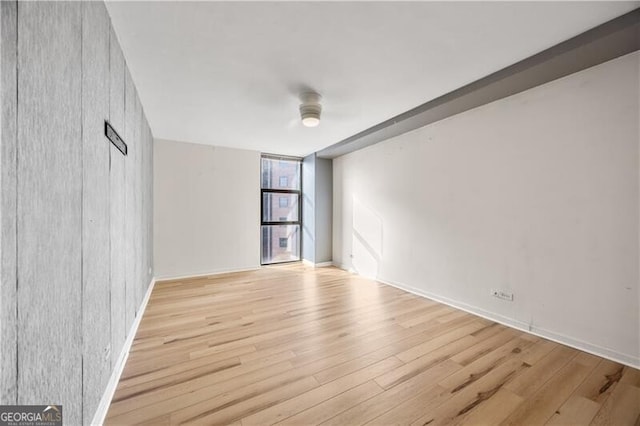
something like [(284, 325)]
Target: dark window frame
[(280, 222), (297, 192)]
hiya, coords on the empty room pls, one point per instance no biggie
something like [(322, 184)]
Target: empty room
[(320, 212)]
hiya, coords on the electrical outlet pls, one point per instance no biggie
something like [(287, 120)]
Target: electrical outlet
[(501, 294)]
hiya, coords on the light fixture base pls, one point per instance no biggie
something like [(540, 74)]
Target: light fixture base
[(310, 109)]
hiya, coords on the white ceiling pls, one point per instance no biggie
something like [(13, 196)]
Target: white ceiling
[(229, 73)]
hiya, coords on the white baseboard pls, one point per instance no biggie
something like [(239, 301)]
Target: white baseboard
[(107, 396), (317, 265), (206, 274), (343, 267), (597, 350)]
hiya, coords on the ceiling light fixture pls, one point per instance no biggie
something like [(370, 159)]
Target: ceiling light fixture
[(310, 109)]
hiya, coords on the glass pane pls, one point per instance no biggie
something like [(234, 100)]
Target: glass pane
[(278, 207), (280, 174), (280, 243)]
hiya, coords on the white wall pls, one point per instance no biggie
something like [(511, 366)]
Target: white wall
[(206, 209), (537, 194)]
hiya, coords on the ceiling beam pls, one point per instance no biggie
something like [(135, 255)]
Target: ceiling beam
[(603, 43)]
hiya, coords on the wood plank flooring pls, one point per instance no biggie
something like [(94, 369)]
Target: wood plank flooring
[(299, 346)]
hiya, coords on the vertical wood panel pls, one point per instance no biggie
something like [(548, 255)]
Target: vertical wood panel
[(137, 199), (129, 210), (117, 191), (50, 206), (143, 205), (8, 94), (149, 218), (147, 207), (96, 321)]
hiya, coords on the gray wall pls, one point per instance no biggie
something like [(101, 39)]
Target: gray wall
[(324, 210), (76, 214), (317, 209), (8, 311)]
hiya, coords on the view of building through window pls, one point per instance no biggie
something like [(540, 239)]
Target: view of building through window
[(280, 226)]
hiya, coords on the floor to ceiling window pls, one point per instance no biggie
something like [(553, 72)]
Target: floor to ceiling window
[(281, 209)]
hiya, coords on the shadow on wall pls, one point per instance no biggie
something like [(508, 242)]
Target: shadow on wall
[(308, 231), (366, 247)]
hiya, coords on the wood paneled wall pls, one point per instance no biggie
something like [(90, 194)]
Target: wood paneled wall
[(8, 200), (76, 214), (49, 208)]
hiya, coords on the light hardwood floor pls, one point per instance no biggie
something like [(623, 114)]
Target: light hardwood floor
[(300, 346)]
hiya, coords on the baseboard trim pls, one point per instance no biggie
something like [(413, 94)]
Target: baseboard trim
[(317, 265), (107, 396), (206, 274), (343, 267), (581, 345)]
